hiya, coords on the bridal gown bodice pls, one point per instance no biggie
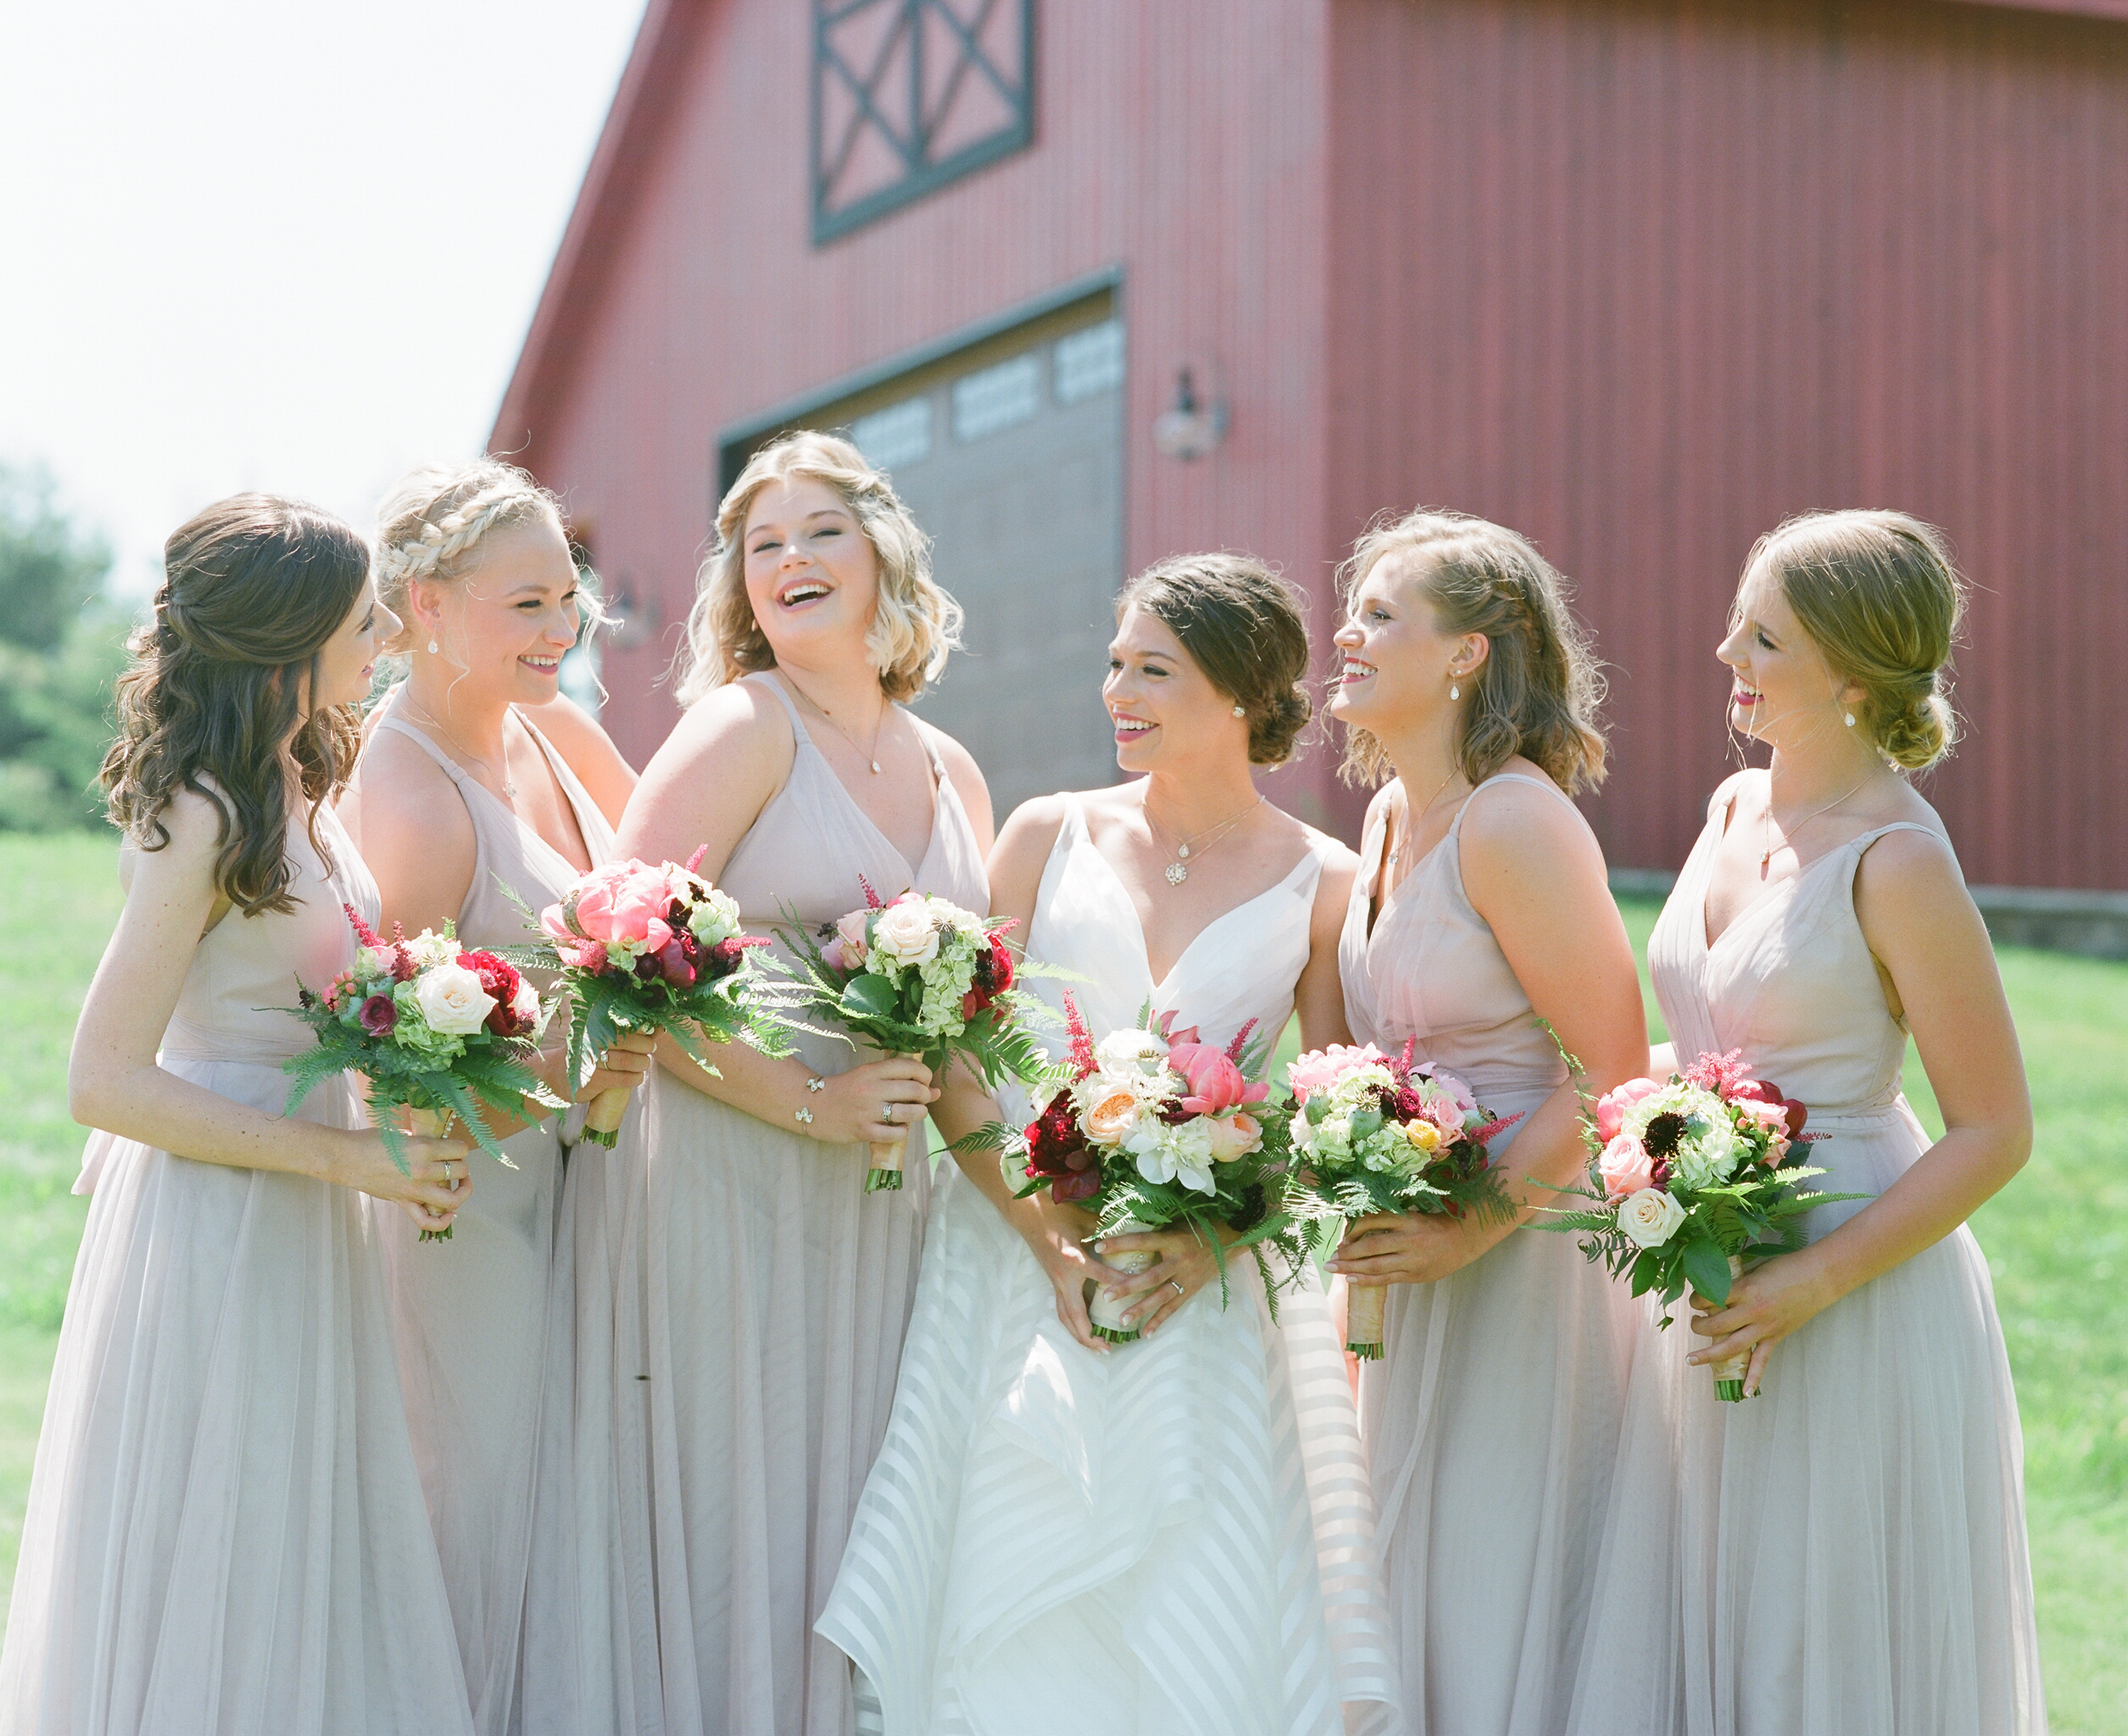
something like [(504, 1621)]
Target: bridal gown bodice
[(1171, 1536)]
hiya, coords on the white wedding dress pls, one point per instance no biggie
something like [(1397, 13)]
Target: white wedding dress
[(1174, 1537)]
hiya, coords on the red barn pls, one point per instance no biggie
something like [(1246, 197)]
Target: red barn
[(1639, 277)]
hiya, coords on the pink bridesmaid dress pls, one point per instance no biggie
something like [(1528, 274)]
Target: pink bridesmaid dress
[(1491, 1420), (1845, 1554), (470, 1315), (739, 1304), (226, 1531)]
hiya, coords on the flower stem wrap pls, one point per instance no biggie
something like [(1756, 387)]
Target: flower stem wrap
[(1729, 1371), (1107, 1312), (884, 1177), (602, 1121), (435, 1124), (1364, 1304)]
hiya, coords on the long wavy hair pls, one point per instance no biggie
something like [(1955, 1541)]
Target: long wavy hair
[(1538, 691), (914, 623), (252, 589)]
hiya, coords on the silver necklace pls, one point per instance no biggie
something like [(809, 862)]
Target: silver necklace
[(828, 717), (510, 789), (1175, 872), (1788, 836), (1411, 824)]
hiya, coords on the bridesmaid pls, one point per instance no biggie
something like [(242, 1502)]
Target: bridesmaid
[(1481, 908), (1847, 1555), (457, 796), (224, 1529), (741, 1300)]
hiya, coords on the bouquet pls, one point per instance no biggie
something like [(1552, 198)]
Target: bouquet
[(432, 1028), (1688, 1178), (649, 950), (1374, 1134), (921, 977), (1151, 1129)]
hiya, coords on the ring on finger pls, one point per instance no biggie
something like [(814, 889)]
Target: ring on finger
[(887, 1115), (1175, 1284)]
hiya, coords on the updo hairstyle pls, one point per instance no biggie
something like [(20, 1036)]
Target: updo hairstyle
[(915, 623), (252, 589), (1882, 601), (432, 524), (1242, 624), (1537, 691)]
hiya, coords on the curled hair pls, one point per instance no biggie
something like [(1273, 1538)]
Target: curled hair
[(1241, 625), (1538, 690), (252, 589), (914, 623), (1882, 601), (432, 524)]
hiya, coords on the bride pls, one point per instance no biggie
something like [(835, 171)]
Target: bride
[(1174, 1534)]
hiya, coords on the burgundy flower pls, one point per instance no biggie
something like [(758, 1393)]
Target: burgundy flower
[(379, 1013), (993, 976), (1056, 1151), (499, 977), (673, 961)]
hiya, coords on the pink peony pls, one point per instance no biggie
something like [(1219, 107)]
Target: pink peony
[(624, 902), (1626, 1168), (1215, 1084), (1324, 1067), (1612, 1106)]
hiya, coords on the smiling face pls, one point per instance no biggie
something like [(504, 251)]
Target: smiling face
[(509, 619), (1783, 690), (1398, 662), (347, 659), (812, 576), (1165, 709)]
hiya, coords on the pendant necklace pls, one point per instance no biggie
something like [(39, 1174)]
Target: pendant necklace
[(872, 757), (1410, 823), (1766, 829), (510, 789), (1175, 871)]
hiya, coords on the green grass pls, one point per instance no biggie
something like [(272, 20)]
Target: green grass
[(2057, 1241)]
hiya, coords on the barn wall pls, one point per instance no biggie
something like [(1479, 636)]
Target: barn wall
[(1643, 278), (1183, 143)]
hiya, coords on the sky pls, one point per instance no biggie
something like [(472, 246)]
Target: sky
[(279, 246)]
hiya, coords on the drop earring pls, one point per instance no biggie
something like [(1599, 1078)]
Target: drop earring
[(1850, 720), (1454, 691), (431, 652)]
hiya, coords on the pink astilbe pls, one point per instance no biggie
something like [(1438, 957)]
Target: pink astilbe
[(1720, 1074), (872, 900), (1239, 1046), (1083, 1062), (694, 862)]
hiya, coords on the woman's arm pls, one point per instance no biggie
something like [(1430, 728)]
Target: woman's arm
[(1536, 874), (579, 737), (1318, 998), (114, 1083), (1922, 927), (723, 763)]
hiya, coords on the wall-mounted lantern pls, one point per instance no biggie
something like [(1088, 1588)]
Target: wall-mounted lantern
[(1192, 428)]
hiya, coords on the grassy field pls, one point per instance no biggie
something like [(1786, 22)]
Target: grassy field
[(2056, 1239)]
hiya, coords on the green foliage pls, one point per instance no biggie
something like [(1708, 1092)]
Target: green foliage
[(61, 644)]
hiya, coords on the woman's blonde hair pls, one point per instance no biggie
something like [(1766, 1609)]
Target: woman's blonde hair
[(1882, 601), (432, 524), (1537, 691), (914, 623)]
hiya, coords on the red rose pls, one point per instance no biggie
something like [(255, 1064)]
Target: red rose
[(1057, 1150), (498, 978)]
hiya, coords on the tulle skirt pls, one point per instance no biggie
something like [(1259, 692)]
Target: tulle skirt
[(470, 1318), (739, 1305), (225, 1530), (1174, 1537), (1491, 1424), (1845, 1554)]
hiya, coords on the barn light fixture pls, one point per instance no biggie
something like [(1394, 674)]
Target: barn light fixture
[(1191, 429)]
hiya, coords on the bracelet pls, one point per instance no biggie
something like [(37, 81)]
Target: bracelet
[(805, 1115)]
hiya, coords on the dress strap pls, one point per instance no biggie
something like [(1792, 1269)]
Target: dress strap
[(452, 770), (767, 678), (1545, 784), (1861, 844)]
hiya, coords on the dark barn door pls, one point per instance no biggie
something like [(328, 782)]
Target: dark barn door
[(1010, 455)]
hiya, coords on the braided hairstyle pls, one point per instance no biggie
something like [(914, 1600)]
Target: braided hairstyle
[(1537, 691), (252, 589), (432, 524), (1882, 601)]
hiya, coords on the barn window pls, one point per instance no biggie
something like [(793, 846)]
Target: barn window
[(995, 399), (911, 94), (898, 435), (1089, 361)]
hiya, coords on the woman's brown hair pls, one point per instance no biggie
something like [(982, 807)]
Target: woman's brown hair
[(1537, 691), (1242, 626), (252, 589), (1882, 601)]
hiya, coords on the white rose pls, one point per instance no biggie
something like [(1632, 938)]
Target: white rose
[(715, 919), (903, 933), (1128, 1051), (452, 1000), (1650, 1217), (525, 1004)]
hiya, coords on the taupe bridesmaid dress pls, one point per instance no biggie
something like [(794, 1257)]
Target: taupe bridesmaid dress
[(1845, 1554), (225, 1530), (740, 1303), (470, 1315), (1491, 1421)]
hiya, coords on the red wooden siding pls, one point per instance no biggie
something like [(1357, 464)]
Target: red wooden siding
[(1644, 279)]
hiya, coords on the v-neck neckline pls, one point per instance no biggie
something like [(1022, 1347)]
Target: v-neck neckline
[(563, 779), (1379, 902), (1766, 895), (803, 737), (1138, 923)]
